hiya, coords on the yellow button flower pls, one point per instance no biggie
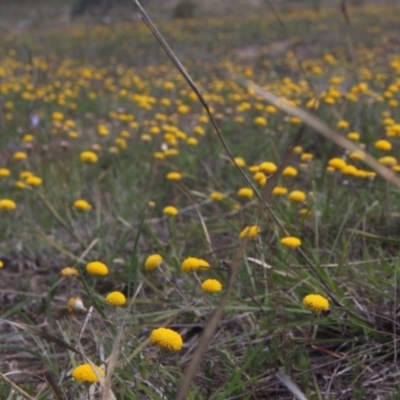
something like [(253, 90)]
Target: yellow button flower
[(69, 272), (297, 196), (383, 145), (20, 155), (116, 299), (291, 241), (217, 196), (337, 163), (316, 303), (4, 172), (211, 286), (152, 262), (7, 204), (193, 264), (171, 211), (279, 190), (34, 181), (250, 232), (290, 171), (84, 373), (166, 339), (246, 193), (82, 205), (89, 157), (174, 176), (97, 268)]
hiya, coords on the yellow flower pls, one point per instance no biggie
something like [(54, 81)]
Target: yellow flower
[(260, 121), (97, 268), (297, 196), (116, 299), (8, 205), (211, 286), (349, 170), (193, 264), (279, 190), (357, 156), (250, 232), (102, 130), (337, 163), (342, 124), (57, 116), (174, 176), (353, 136), (171, 211), (20, 155), (82, 205), (4, 172), (75, 304), (306, 157), (260, 178), (69, 272), (383, 145), (89, 157), (166, 339), (153, 262), (240, 162), (28, 138), (246, 193), (199, 130), (267, 167), (20, 185), (297, 149), (85, 373), (290, 171), (216, 196), (271, 109), (34, 181), (291, 241), (1, 264), (316, 303), (192, 141), (183, 109), (388, 161)]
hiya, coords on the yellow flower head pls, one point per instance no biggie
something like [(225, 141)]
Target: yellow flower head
[(267, 167), (82, 205), (174, 176), (116, 299), (290, 171), (337, 163), (102, 130), (97, 268), (297, 196), (291, 241), (153, 262), (388, 161), (4, 172), (75, 304), (240, 162), (261, 121), (279, 190), (89, 157), (7, 204), (211, 286), (34, 181), (84, 373), (216, 196), (166, 339), (171, 211), (316, 303), (246, 193), (355, 136), (20, 155), (342, 124), (250, 232), (193, 264), (383, 145), (69, 272)]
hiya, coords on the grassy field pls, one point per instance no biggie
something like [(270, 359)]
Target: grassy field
[(110, 165)]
